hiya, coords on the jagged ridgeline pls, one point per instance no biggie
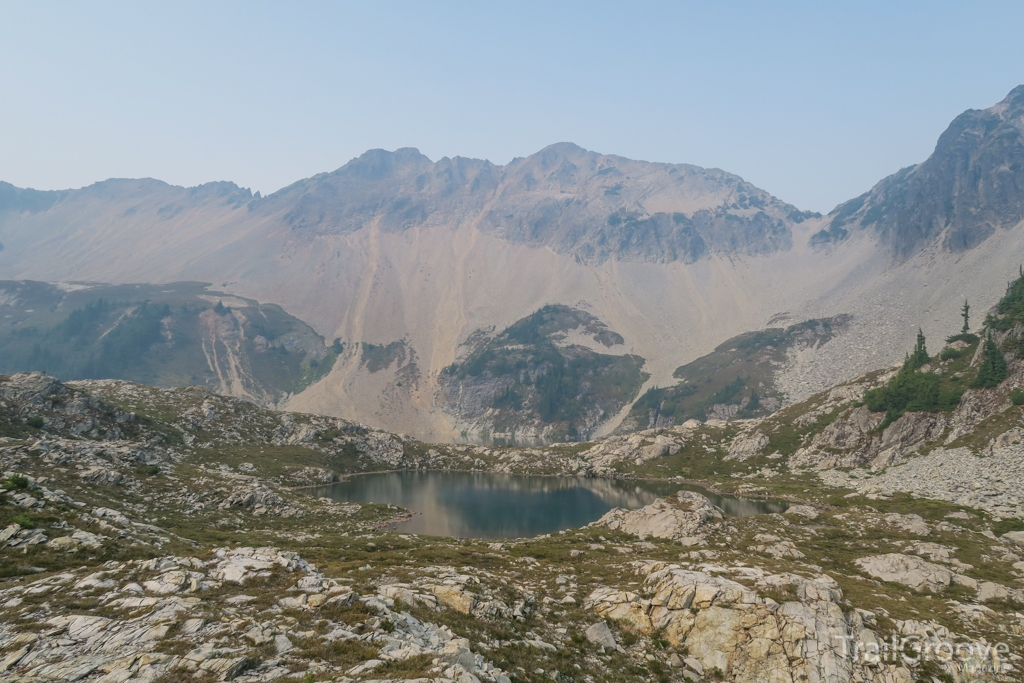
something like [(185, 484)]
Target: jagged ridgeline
[(552, 375), (736, 380), (177, 334)]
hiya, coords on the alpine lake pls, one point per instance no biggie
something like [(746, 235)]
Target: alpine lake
[(482, 505)]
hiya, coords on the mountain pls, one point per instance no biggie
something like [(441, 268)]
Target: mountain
[(971, 186), (589, 205), (393, 248), (553, 375), (178, 334), (412, 263), (565, 198)]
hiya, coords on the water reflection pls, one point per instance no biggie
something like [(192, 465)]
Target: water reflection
[(503, 440), (478, 505)]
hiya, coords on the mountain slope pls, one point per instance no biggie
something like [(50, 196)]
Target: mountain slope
[(737, 379), (178, 334), (394, 247)]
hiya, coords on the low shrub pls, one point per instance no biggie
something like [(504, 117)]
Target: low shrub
[(24, 521), (17, 481), (949, 353)]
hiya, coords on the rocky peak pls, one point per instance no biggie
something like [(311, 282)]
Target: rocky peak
[(377, 164), (565, 198), (971, 186)]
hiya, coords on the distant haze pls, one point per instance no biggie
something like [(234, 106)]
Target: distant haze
[(812, 103)]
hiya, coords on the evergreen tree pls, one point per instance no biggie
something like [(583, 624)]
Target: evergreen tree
[(965, 314), (911, 390), (993, 366), (754, 403), (920, 355)]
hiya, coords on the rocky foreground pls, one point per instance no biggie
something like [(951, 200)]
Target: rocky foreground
[(156, 535)]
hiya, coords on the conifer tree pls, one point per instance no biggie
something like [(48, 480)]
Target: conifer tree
[(920, 355), (965, 313), (993, 366)]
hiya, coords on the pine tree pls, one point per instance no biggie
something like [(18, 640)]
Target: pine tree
[(965, 314), (920, 355), (993, 366)]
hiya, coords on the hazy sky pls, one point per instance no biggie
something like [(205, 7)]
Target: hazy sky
[(811, 101)]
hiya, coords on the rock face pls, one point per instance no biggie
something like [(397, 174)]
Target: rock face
[(683, 516), (971, 186), (750, 639), (851, 440), (908, 570)]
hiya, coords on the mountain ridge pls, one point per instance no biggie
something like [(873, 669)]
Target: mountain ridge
[(717, 212), (673, 258)]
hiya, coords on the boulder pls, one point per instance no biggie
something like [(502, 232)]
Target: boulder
[(238, 564), (455, 598), (251, 497), (778, 548), (808, 512), (1015, 537), (988, 591), (9, 532), (746, 446), (911, 524), (685, 514), (906, 569)]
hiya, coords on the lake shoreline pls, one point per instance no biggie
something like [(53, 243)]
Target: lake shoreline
[(710, 488), (481, 504)]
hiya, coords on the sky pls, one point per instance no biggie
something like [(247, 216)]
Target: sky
[(812, 101)]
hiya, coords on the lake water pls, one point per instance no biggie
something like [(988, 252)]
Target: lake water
[(478, 505)]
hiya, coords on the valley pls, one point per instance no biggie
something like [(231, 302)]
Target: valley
[(731, 391), (175, 534)]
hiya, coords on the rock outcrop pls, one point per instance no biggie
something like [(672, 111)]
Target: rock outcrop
[(909, 570), (164, 598), (726, 626), (684, 516)]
